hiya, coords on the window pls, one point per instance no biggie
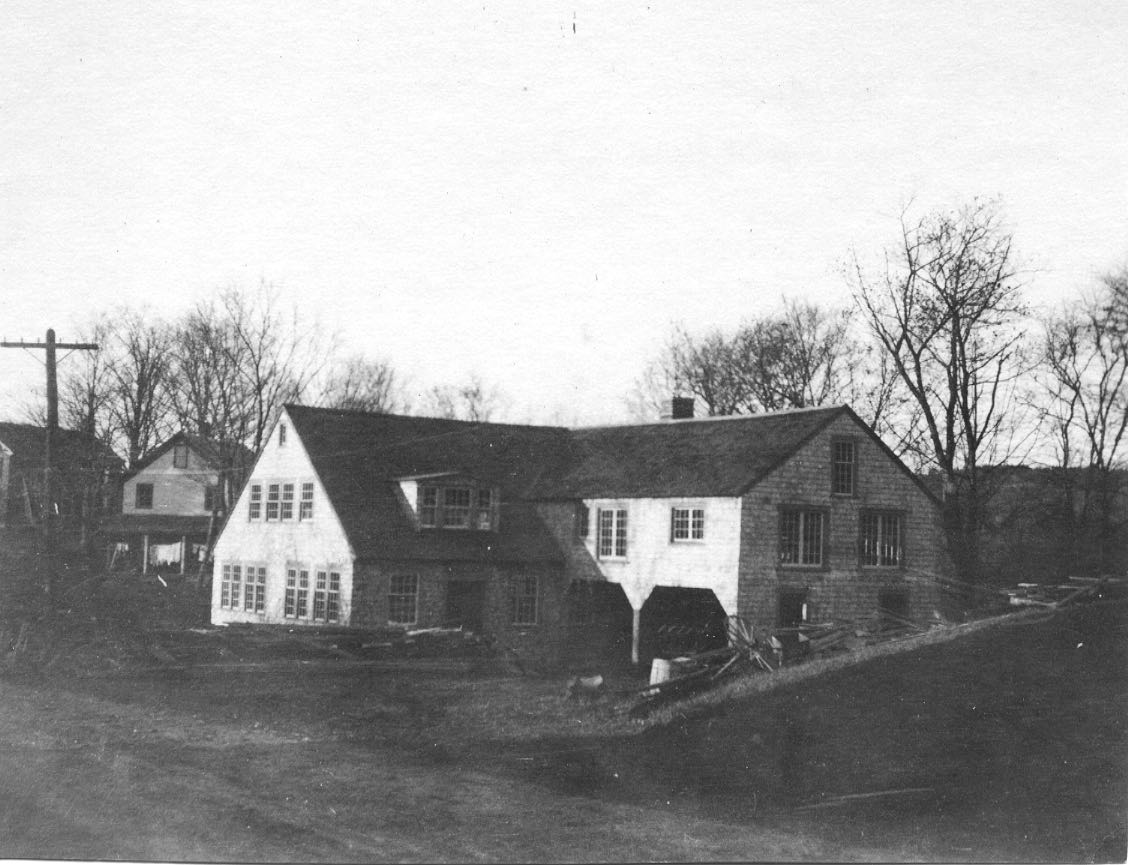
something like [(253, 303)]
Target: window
[(881, 540), (225, 587), (254, 509), (143, 497), (456, 508), (305, 509), (403, 595), (613, 534), (583, 517), (287, 501), (272, 492), (801, 537), (523, 600), (260, 587), (483, 519), (281, 434), (687, 524), (211, 497), (254, 589), (180, 456), (302, 608), (460, 507), (236, 585), (320, 589), (842, 469), (333, 601), (428, 506), (290, 607)]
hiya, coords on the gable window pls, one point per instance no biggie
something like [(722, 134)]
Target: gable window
[(687, 524), (272, 501), (613, 533), (281, 434), (523, 597), (254, 508), (143, 497), (881, 544), (843, 467), (180, 456), (211, 497), (801, 537), (305, 509), (403, 597), (287, 501)]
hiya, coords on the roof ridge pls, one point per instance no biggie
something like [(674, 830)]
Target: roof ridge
[(466, 424), (715, 418)]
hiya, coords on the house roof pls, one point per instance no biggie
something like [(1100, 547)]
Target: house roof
[(26, 443), (210, 451), (700, 457), (359, 456), (158, 524)]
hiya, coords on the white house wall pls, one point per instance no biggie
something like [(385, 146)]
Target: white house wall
[(318, 543), (653, 559)]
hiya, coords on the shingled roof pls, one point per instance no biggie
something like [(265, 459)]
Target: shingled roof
[(72, 447), (210, 451), (705, 457), (360, 456)]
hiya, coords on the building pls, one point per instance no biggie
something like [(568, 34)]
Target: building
[(540, 535), (174, 501), (86, 476)]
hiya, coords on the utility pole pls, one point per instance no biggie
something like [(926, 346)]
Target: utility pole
[(49, 540)]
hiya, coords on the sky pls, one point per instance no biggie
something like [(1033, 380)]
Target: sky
[(535, 193)]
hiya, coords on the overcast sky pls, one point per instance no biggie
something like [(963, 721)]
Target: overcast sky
[(535, 192)]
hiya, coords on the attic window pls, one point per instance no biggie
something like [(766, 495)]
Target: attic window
[(281, 433), (457, 507), (843, 467), (180, 456)]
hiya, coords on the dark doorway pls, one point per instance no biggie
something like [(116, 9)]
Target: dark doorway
[(892, 608), (465, 605), (599, 625), (794, 610), (680, 622)]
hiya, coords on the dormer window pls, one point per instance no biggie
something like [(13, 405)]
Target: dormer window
[(457, 507)]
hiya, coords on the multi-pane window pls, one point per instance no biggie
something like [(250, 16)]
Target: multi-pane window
[(254, 509), (305, 509), (801, 537), (273, 494), (843, 467), (281, 434), (143, 497), (225, 587), (290, 604), (254, 588), (333, 600), (881, 539), (428, 506), (523, 600), (302, 608), (403, 596), (236, 585), (180, 456), (287, 501), (459, 507), (456, 508), (320, 588), (687, 524), (613, 533)]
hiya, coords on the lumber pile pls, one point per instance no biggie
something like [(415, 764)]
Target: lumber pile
[(1073, 591)]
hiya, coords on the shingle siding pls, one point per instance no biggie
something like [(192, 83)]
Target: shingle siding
[(842, 589)]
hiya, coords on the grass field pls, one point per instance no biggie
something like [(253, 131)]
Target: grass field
[(1007, 744)]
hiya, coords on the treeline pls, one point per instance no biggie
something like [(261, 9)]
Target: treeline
[(941, 353)]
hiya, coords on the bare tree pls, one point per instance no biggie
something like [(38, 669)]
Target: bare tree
[(139, 370), (947, 310), (473, 400), (1086, 377), (360, 384)]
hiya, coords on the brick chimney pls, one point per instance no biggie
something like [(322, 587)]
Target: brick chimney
[(681, 408)]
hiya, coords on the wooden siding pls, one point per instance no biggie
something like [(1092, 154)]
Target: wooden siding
[(841, 588), (176, 491)]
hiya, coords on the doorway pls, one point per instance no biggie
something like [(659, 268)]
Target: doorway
[(465, 605)]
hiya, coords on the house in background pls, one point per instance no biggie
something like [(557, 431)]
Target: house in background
[(174, 501), (87, 472), (549, 538)]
